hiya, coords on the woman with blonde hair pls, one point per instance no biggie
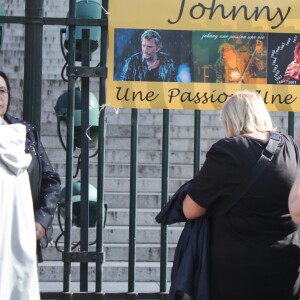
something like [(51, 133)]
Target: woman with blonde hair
[(254, 250)]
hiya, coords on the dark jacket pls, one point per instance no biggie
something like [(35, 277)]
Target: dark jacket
[(189, 276), (44, 182)]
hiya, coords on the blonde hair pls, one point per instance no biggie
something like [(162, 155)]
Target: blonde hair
[(245, 112)]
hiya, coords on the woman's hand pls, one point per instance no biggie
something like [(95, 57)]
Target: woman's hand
[(39, 231)]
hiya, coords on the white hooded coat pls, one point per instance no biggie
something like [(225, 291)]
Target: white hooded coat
[(18, 264)]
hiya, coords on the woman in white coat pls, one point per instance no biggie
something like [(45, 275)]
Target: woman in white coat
[(18, 271)]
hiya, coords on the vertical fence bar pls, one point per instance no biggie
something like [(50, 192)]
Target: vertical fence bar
[(69, 151), (132, 204), (34, 10), (164, 200), (197, 141), (100, 195), (101, 152), (84, 192)]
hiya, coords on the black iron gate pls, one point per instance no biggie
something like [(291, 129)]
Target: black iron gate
[(34, 21)]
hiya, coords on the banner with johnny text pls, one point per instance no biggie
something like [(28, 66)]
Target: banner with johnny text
[(191, 54)]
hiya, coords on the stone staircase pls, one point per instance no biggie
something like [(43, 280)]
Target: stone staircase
[(116, 195), (116, 237)]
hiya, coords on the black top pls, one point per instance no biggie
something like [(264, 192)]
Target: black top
[(254, 251)]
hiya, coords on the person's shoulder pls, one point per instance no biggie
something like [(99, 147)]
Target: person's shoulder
[(164, 56), (14, 120), (287, 139), (231, 144), (134, 57), (221, 145), (236, 151), (227, 141), (11, 119)]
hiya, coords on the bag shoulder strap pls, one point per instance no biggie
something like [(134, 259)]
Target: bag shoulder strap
[(265, 158)]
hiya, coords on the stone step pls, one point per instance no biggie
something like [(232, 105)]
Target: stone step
[(143, 185), (121, 201), (107, 287), (122, 156), (112, 271), (117, 252), (120, 217), (150, 124), (122, 170), (152, 117), (144, 201), (182, 144), (120, 234)]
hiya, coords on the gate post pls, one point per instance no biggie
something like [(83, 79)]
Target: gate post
[(34, 10)]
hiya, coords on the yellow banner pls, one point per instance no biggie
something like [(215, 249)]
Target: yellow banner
[(191, 54)]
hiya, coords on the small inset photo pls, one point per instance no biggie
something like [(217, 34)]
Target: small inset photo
[(230, 57), (284, 58)]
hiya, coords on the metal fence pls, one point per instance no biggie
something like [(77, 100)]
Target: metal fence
[(34, 21)]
